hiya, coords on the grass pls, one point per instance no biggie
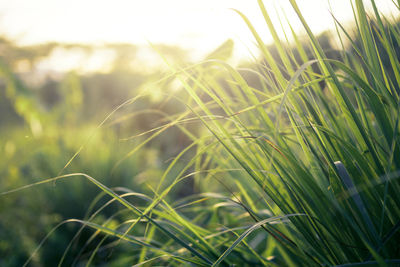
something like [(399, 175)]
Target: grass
[(293, 172)]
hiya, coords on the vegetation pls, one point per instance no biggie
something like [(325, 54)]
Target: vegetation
[(293, 161)]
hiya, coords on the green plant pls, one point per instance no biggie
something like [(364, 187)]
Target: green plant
[(309, 170)]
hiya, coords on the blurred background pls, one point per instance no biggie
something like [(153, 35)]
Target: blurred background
[(66, 65)]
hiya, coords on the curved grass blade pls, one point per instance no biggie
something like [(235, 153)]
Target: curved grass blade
[(249, 231)]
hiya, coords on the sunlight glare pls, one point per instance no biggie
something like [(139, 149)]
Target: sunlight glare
[(196, 25)]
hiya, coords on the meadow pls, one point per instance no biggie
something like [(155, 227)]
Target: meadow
[(291, 159)]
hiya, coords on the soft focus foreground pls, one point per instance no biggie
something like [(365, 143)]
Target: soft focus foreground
[(289, 160)]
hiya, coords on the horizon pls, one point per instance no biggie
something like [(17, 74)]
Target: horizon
[(139, 23)]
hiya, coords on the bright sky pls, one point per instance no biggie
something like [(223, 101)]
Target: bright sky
[(198, 25)]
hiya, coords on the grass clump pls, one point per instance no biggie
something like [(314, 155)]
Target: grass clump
[(321, 156), (300, 169)]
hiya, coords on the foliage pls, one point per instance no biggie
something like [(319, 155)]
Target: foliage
[(300, 168)]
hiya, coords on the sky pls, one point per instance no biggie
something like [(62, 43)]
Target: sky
[(196, 25)]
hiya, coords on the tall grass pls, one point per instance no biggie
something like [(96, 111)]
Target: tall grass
[(305, 165)]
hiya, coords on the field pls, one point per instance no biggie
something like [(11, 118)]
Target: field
[(291, 159)]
